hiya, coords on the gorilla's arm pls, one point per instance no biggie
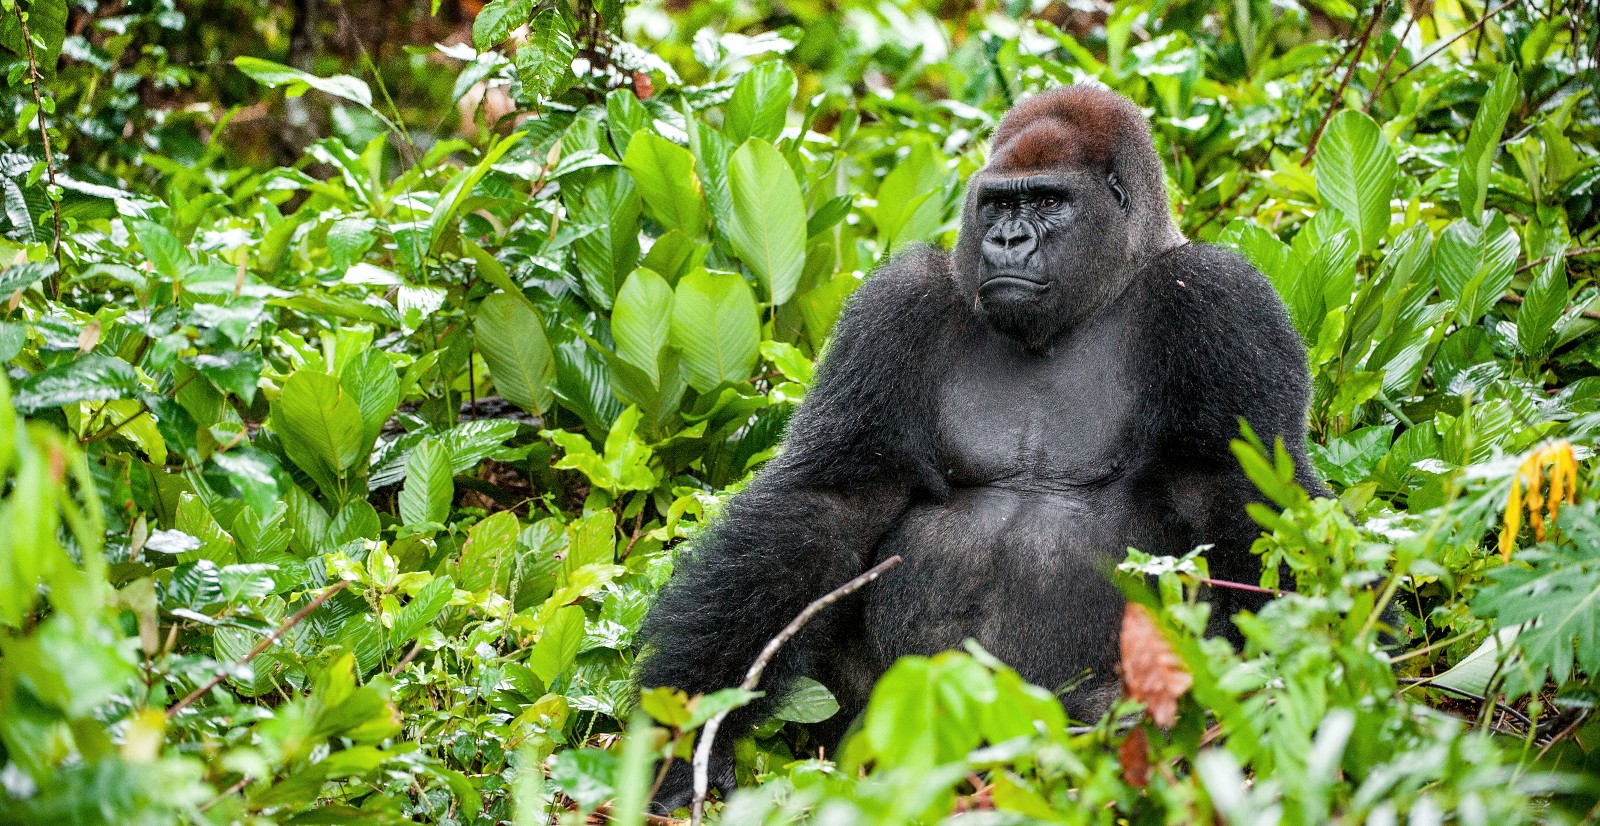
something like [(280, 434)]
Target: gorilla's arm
[(854, 455), (1227, 351)]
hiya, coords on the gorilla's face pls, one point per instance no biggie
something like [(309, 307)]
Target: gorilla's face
[(1040, 249)]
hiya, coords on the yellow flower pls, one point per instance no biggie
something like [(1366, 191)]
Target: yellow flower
[(1527, 491)]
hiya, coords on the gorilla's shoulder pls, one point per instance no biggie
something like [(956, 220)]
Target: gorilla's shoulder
[(1213, 292)]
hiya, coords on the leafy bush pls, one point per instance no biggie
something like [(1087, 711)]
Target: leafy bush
[(336, 491)]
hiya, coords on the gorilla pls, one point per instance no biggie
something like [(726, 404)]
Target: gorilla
[(1010, 418)]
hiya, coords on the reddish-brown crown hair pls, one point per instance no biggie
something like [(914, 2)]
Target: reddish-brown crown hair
[(1077, 125)]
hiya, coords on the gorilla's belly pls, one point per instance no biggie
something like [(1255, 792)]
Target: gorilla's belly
[(1022, 572)]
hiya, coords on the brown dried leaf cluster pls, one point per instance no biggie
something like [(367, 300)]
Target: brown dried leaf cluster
[(1151, 671)]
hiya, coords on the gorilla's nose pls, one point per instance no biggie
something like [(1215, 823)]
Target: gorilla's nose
[(1008, 244)]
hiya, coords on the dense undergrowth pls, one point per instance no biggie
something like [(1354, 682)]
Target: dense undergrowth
[(335, 491)]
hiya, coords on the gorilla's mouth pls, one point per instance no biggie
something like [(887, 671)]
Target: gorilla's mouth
[(1011, 286)]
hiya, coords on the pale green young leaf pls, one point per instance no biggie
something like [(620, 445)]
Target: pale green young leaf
[(664, 173), (760, 102), (641, 321), (320, 423), (717, 327), (1356, 171), (767, 227)]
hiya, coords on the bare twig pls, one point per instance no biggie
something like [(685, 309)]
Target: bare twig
[(1457, 36), (230, 792), (44, 135), (752, 678), (1577, 721), (1513, 298), (1502, 708), (416, 649), (265, 643), (1349, 72), (1237, 586), (1380, 84), (1569, 253)]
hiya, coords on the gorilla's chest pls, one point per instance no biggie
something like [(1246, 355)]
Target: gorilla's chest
[(1044, 422)]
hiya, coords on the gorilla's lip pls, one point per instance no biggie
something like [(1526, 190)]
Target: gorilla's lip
[(1014, 281)]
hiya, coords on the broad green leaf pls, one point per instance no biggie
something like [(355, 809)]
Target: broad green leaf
[(760, 102), (544, 60), (488, 554), (461, 188), (1542, 306), (511, 336), (664, 173), (370, 379), (717, 327), (424, 607), (767, 227), (558, 644), (1483, 143), (87, 378), (429, 487), (807, 701), (47, 22), (320, 425), (610, 204), (1475, 264), (641, 321), (911, 198), (272, 75), (626, 118), (496, 20), (1356, 173)]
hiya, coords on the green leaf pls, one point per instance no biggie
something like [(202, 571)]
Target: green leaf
[(370, 379), (1542, 306), (320, 424), (47, 22), (88, 378), (664, 173), (610, 204), (558, 645), (425, 606), (1475, 264), (641, 321), (760, 103), (429, 487), (511, 336), (767, 227), (1483, 143), (486, 557), (911, 198), (544, 60), (272, 75), (808, 701), (1356, 173), (717, 327), (496, 20)]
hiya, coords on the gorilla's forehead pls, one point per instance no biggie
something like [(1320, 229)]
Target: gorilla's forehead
[(1050, 143)]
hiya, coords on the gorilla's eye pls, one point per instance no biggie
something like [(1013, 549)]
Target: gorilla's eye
[(1048, 202)]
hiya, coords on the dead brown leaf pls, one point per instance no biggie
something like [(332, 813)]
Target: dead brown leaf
[(1134, 754), (1151, 671)]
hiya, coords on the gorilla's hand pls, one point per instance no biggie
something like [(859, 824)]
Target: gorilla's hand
[(677, 788)]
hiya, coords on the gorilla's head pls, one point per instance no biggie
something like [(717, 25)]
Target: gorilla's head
[(1056, 225)]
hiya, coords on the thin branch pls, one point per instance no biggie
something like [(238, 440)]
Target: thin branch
[(1237, 586), (1350, 72), (1569, 253), (260, 646), (1381, 83), (1502, 708), (1513, 298), (1577, 721), (406, 660), (1457, 36), (231, 791), (49, 156), (752, 678)]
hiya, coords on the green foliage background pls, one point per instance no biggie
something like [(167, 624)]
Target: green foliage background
[(360, 391)]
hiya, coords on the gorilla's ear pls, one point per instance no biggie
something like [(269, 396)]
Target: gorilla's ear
[(1122, 194)]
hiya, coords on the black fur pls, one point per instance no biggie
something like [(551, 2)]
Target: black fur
[(1009, 440)]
